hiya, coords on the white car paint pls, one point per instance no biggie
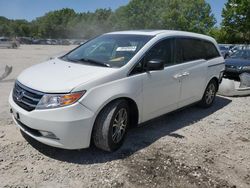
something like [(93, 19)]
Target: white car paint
[(155, 92), (60, 75)]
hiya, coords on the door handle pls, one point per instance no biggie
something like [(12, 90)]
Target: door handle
[(185, 74), (177, 76)]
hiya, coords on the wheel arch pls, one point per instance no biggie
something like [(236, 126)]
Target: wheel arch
[(133, 107), (216, 79), (217, 82), (133, 111)]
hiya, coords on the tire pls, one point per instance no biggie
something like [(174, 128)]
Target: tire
[(111, 125), (209, 94)]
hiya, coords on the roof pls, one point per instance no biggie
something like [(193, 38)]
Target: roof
[(164, 32), (140, 32)]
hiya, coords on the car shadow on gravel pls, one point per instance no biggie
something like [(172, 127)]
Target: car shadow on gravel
[(137, 138)]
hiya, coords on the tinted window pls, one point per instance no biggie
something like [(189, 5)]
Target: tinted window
[(211, 50), (138, 68), (188, 49), (179, 50), (162, 51)]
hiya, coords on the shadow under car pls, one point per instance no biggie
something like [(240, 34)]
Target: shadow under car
[(137, 138)]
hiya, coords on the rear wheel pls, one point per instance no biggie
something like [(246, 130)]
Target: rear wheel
[(209, 94), (111, 126)]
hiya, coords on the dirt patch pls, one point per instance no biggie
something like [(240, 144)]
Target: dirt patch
[(161, 170), (192, 147)]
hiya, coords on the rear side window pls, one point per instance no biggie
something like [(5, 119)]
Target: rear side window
[(188, 49), (178, 50)]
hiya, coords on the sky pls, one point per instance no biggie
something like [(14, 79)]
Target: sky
[(30, 9)]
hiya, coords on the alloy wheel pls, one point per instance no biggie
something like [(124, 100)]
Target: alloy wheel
[(210, 94), (119, 125)]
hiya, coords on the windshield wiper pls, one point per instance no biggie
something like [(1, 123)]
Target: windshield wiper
[(92, 61)]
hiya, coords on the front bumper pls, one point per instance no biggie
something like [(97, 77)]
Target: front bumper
[(72, 125)]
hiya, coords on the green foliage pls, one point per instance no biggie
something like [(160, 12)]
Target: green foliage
[(236, 21), (14, 27), (189, 15), (54, 24), (219, 34)]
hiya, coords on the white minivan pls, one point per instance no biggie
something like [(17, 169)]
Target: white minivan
[(119, 79)]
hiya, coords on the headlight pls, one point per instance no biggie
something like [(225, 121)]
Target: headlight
[(59, 100)]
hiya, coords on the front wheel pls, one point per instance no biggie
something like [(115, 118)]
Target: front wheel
[(111, 126), (209, 94)]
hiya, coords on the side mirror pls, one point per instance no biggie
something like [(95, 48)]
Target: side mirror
[(155, 64)]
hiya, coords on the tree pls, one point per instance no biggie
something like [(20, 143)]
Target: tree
[(236, 20), (14, 27), (54, 23), (219, 34), (188, 15), (89, 24)]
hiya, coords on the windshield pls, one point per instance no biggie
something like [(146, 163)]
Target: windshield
[(110, 50), (242, 54)]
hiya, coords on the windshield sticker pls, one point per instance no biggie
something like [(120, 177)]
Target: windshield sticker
[(126, 49), (117, 59)]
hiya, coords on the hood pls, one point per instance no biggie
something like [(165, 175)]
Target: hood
[(237, 62), (58, 76)]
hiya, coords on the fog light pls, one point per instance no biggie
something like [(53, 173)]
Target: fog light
[(48, 135)]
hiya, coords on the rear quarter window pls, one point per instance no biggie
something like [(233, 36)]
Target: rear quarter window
[(211, 50)]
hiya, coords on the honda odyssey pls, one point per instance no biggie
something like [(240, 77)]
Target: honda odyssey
[(116, 80)]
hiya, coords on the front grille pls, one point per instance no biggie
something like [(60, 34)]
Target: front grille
[(25, 97)]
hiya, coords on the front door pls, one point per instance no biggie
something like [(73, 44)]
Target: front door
[(161, 89)]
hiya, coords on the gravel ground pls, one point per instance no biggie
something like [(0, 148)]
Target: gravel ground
[(192, 147)]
